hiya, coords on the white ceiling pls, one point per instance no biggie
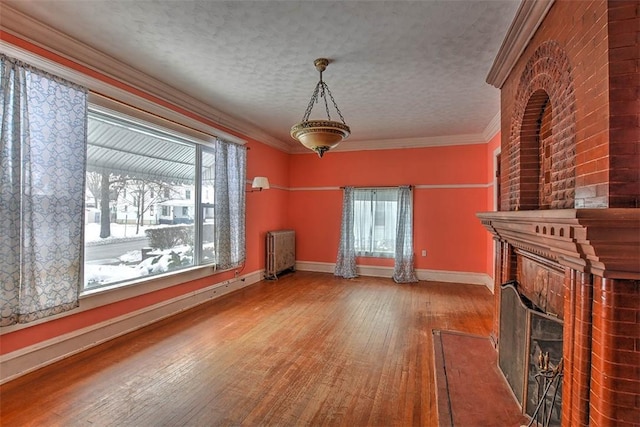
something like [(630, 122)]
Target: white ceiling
[(400, 70)]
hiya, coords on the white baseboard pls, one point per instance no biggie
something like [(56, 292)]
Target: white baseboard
[(25, 360), (456, 277), (423, 274), (327, 267), (318, 267)]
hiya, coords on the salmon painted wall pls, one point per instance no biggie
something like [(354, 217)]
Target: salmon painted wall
[(451, 186), (266, 210)]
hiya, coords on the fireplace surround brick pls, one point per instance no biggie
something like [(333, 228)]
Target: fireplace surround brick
[(598, 252), (574, 199)]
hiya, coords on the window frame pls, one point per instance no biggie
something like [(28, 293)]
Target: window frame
[(201, 145), (374, 217)]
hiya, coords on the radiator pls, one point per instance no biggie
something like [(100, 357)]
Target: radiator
[(281, 252)]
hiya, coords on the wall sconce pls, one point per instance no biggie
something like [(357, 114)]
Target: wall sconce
[(259, 183)]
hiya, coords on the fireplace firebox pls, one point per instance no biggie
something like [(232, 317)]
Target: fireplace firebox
[(530, 355)]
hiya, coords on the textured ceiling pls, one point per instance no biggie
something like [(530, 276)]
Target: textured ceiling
[(399, 70)]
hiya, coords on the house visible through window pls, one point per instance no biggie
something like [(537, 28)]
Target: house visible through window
[(375, 219), (138, 164)]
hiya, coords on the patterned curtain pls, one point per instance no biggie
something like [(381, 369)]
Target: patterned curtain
[(346, 264), (42, 169), (403, 269), (229, 204)]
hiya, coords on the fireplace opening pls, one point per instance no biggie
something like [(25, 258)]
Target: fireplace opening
[(530, 355)]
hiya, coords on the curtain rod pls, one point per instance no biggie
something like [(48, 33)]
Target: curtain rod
[(376, 187)]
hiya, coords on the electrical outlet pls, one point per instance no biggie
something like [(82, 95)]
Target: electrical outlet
[(424, 252)]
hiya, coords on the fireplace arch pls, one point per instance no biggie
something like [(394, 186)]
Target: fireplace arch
[(540, 160)]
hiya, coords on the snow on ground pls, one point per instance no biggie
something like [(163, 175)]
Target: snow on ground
[(97, 275), (118, 231), (132, 266), (160, 261)]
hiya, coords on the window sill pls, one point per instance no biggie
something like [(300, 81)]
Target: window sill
[(375, 255), (97, 297)]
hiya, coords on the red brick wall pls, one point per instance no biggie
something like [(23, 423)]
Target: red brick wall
[(567, 60), (624, 98)]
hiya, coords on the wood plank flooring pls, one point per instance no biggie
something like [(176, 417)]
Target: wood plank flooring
[(307, 349)]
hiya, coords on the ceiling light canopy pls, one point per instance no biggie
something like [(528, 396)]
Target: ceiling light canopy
[(320, 135)]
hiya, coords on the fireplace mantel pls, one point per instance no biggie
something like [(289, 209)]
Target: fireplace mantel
[(603, 242), (583, 267)]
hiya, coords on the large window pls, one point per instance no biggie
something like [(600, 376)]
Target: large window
[(374, 217), (141, 218), (91, 197)]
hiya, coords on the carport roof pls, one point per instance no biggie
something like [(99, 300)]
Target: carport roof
[(125, 148)]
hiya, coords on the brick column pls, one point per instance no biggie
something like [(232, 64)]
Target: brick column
[(567, 344), (615, 380), (581, 350), (576, 348)]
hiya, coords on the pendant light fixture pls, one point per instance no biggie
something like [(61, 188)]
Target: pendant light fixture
[(320, 135)]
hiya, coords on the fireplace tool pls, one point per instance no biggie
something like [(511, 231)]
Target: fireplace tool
[(545, 379)]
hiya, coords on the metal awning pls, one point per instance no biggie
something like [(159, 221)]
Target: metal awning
[(124, 148)]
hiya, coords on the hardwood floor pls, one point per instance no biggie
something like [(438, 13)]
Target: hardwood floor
[(307, 349)]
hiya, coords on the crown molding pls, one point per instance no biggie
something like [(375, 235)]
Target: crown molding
[(401, 143), (528, 18), (56, 42), (492, 128)]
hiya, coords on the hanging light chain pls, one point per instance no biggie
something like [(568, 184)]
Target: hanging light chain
[(324, 95), (322, 89), (335, 105), (313, 100)]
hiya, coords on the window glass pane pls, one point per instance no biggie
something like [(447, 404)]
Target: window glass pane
[(375, 221), (139, 219)]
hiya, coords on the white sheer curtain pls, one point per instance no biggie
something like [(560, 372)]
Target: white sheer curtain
[(375, 211), (346, 263), (42, 168), (403, 271), (229, 204)]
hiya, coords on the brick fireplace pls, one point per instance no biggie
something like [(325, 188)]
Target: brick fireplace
[(568, 231)]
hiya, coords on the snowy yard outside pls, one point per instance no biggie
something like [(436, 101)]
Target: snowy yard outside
[(131, 265), (118, 231)]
